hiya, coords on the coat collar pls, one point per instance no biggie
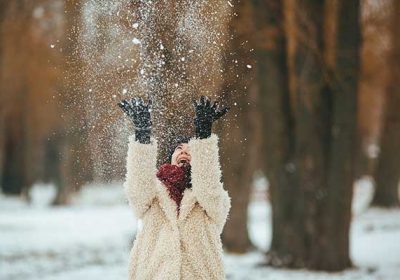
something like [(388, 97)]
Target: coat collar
[(169, 206)]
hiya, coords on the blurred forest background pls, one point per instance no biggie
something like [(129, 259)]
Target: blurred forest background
[(313, 86)]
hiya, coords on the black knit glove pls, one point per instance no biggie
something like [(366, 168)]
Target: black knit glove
[(139, 113), (206, 115)]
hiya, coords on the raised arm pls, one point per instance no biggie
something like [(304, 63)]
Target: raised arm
[(206, 179), (141, 175), (206, 170), (142, 156)]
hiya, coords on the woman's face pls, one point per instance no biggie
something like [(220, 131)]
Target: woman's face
[(181, 155)]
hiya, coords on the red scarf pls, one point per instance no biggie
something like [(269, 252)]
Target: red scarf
[(175, 179)]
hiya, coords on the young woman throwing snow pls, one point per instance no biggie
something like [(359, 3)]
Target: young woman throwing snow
[(183, 205)]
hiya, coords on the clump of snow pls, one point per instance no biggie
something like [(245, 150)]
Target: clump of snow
[(363, 193), (42, 195), (136, 41)]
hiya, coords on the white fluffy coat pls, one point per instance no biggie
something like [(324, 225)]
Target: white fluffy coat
[(171, 247)]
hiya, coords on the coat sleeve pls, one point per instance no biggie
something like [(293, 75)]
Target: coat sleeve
[(141, 175), (206, 179)]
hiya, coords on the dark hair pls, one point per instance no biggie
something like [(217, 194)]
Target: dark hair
[(175, 142)]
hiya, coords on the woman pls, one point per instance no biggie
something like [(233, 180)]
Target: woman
[(183, 205)]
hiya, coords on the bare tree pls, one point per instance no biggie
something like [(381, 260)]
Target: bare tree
[(278, 139), (312, 126), (16, 177), (70, 170), (28, 79), (239, 141), (387, 174)]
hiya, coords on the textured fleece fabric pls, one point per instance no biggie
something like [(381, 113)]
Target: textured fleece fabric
[(171, 246)]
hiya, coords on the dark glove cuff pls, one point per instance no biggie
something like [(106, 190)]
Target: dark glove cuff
[(143, 136), (203, 130)]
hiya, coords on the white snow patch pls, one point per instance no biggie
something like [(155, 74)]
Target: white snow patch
[(373, 151), (136, 41), (363, 194), (42, 195), (91, 239)]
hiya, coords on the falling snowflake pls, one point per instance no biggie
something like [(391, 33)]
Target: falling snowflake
[(136, 41)]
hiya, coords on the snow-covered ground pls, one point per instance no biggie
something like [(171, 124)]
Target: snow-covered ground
[(91, 240)]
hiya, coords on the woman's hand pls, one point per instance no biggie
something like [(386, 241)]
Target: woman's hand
[(206, 114), (140, 115)]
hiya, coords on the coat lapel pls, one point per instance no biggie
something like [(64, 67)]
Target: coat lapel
[(187, 203), (169, 206), (166, 203)]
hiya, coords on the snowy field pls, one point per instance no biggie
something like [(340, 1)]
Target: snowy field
[(91, 240)]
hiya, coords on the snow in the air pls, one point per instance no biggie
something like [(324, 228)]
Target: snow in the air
[(136, 41)]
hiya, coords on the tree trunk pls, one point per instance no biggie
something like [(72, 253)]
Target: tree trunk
[(387, 174), (239, 147), (14, 180), (3, 9), (16, 176), (332, 248), (310, 159), (272, 67), (71, 137)]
